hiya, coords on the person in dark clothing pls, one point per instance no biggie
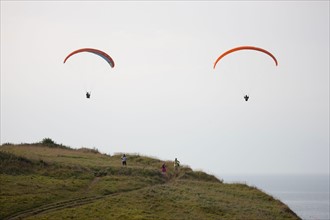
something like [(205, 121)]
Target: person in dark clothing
[(88, 95), (176, 164), (164, 168), (123, 160)]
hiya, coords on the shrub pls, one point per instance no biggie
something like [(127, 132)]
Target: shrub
[(48, 141), (100, 173), (7, 144)]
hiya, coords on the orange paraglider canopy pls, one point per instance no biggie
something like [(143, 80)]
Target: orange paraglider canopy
[(245, 48)]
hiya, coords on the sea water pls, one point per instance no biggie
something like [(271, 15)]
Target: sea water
[(306, 195)]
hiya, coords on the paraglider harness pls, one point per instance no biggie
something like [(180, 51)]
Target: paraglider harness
[(88, 95)]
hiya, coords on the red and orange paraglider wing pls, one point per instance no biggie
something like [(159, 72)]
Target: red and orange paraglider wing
[(244, 48), (100, 53)]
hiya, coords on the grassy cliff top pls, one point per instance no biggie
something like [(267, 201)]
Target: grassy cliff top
[(50, 181)]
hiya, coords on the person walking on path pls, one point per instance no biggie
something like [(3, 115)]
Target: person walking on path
[(176, 164), (123, 160), (164, 168)]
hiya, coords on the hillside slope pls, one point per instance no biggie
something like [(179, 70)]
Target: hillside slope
[(56, 182)]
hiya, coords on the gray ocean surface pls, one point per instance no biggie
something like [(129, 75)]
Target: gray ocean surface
[(307, 195)]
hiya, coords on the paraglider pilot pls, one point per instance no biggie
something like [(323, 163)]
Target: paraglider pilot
[(88, 95), (246, 97)]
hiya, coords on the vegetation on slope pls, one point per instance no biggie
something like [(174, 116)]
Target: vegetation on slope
[(51, 181)]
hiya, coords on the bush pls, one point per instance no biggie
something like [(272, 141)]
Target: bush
[(7, 144), (100, 173), (48, 141)]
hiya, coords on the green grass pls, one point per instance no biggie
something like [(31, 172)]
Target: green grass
[(50, 181)]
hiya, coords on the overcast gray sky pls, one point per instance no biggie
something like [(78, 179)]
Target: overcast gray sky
[(163, 98)]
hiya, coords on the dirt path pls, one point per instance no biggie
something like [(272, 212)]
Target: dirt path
[(60, 205), (69, 203), (54, 206)]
